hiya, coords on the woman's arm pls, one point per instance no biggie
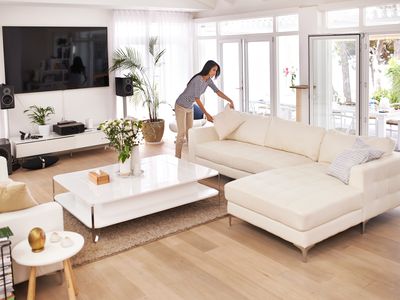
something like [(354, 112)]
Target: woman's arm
[(200, 104), (223, 96)]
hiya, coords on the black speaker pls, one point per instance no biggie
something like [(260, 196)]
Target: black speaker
[(123, 86), (5, 151), (6, 96)]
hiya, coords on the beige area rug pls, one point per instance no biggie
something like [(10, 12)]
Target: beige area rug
[(126, 235)]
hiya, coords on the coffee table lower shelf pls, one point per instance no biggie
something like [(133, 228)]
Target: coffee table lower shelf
[(98, 215)]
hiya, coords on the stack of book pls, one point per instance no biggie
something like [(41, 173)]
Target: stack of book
[(6, 275)]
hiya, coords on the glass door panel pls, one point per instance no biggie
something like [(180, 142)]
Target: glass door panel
[(335, 81), (288, 70), (258, 92), (232, 72), (384, 85)]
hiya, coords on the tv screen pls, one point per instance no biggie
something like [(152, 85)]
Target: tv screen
[(41, 59)]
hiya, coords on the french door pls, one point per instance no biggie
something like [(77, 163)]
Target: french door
[(334, 77), (247, 69)]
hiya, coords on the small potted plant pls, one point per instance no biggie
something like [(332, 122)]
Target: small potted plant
[(39, 116)]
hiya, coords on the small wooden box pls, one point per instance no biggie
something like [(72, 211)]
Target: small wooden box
[(98, 179)]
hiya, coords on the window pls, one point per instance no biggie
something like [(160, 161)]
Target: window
[(382, 15), (287, 23), (249, 26), (342, 18)]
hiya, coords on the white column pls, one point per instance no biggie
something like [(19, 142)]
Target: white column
[(309, 23)]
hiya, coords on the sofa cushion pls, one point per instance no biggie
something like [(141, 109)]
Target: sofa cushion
[(247, 157), (15, 196), (226, 122), (253, 130), (302, 197), (335, 142), (294, 137)]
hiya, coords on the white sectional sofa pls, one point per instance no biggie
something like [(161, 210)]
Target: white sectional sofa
[(48, 216), (282, 183)]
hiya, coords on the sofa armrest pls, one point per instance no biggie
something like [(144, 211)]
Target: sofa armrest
[(3, 169), (200, 135), (385, 168), (380, 182)]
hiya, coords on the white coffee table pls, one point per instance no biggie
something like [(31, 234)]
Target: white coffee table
[(166, 182), (52, 253)]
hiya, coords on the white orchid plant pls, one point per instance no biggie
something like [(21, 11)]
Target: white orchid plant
[(123, 135)]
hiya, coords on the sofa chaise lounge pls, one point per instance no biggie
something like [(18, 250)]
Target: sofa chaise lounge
[(282, 183)]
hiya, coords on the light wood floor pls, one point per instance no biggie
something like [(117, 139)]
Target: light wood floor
[(215, 261)]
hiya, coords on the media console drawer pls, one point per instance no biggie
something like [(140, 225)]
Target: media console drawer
[(57, 143)]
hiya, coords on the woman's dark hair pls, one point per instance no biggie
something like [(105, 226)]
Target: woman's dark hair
[(77, 65), (206, 69)]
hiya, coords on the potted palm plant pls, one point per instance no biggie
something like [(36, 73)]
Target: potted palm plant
[(39, 116), (144, 85)]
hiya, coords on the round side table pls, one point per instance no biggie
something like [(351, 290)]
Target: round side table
[(53, 252)]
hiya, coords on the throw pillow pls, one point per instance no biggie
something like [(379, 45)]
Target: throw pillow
[(226, 122), (372, 152), (342, 164), (360, 153), (15, 196)]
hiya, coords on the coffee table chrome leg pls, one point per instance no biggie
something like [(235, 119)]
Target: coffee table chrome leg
[(95, 237), (219, 188), (54, 191)]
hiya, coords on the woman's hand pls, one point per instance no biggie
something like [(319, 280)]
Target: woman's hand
[(209, 117), (231, 104)]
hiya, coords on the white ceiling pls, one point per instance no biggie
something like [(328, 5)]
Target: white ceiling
[(185, 5)]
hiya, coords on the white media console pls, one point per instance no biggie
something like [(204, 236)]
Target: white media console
[(57, 143)]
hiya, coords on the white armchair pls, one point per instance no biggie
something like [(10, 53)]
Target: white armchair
[(48, 216)]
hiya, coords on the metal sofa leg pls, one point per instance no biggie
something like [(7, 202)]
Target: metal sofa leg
[(304, 251), (230, 220), (363, 226)]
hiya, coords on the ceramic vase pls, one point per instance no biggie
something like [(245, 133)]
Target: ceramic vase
[(135, 161), (125, 167), (44, 130)]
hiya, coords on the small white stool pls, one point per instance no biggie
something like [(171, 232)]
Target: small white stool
[(52, 253)]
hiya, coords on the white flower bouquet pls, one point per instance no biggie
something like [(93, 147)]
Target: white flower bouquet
[(123, 135)]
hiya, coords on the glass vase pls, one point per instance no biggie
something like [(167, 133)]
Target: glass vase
[(125, 167), (135, 161)]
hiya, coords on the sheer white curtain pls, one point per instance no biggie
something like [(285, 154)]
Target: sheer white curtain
[(3, 124), (174, 30)]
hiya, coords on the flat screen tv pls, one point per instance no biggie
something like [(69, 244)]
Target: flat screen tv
[(41, 59)]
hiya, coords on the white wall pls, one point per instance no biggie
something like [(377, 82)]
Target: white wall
[(79, 104)]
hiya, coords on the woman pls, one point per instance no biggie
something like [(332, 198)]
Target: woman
[(184, 104)]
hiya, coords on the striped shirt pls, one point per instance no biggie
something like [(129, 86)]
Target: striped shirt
[(194, 90)]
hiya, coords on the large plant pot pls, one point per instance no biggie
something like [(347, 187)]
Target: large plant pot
[(153, 131)]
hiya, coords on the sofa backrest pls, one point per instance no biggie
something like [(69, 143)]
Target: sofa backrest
[(253, 130), (294, 137), (335, 142)]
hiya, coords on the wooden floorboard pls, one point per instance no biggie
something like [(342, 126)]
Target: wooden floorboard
[(215, 261)]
